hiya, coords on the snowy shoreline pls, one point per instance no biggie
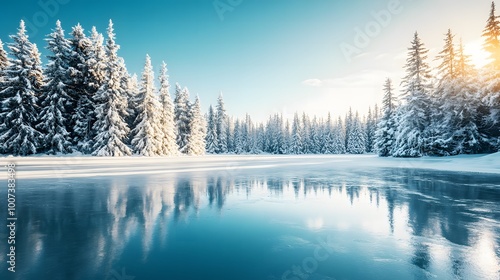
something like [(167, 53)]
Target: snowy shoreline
[(53, 167)]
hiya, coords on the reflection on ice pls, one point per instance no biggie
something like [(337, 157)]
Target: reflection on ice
[(389, 215)]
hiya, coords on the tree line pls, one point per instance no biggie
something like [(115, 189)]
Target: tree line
[(84, 100)]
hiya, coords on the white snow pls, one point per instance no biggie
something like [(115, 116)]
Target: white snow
[(50, 167)]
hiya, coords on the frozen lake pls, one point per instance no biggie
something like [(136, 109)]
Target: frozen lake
[(318, 223)]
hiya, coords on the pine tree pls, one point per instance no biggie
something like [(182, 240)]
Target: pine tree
[(296, 142), (21, 88), (286, 136), (168, 120), (463, 110), (54, 97), (182, 117), (411, 133), (491, 36), (77, 83), (371, 128), (441, 99), (238, 138), (386, 128), (328, 137), (93, 54), (211, 140), (339, 138), (248, 139), (314, 137), (349, 118), (306, 132), (222, 126), (197, 129), (491, 75), (111, 109), (147, 134), (356, 144)]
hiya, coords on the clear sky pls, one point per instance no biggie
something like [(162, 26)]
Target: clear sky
[(266, 56)]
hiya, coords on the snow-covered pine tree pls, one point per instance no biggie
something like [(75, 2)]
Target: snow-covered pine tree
[(306, 134), (260, 139), (296, 142), (491, 35), (314, 137), (53, 117), (491, 80), (238, 138), (441, 99), (371, 128), (274, 135), (168, 122), (248, 135), (147, 133), (348, 122), (221, 126), (182, 117), (385, 136), (356, 144), (339, 138), (111, 128), (462, 109), (411, 140), (93, 54), (197, 129), (328, 137), (211, 140), (77, 83), (22, 85), (285, 144)]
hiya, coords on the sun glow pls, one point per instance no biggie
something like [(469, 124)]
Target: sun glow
[(478, 56)]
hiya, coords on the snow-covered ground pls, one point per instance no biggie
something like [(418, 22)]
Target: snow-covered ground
[(73, 167)]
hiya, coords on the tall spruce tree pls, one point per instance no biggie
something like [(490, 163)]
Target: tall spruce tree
[(21, 88), (222, 126), (167, 120), (297, 142), (197, 130), (182, 117), (92, 52), (211, 140), (111, 128), (356, 144), (147, 133), (491, 79), (53, 116), (411, 134), (386, 128)]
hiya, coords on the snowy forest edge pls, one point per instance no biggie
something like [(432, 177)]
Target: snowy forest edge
[(84, 101)]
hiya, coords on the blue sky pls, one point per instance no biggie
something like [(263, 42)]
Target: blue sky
[(266, 56)]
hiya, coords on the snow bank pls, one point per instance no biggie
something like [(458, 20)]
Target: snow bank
[(76, 167)]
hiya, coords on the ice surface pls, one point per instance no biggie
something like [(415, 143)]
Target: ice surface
[(78, 166)]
